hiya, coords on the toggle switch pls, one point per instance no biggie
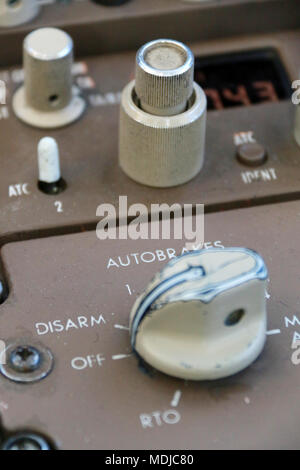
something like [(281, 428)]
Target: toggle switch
[(252, 154), (48, 99), (16, 12), (203, 317), (50, 180), (163, 117)]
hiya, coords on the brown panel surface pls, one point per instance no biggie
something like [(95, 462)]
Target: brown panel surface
[(62, 278), (89, 151), (99, 29)]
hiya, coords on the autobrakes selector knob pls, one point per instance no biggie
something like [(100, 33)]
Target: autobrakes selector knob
[(203, 317), (163, 117), (48, 98)]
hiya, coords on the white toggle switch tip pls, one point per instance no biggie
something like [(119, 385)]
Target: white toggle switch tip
[(163, 117), (48, 160)]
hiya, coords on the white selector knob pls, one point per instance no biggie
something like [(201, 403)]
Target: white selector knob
[(297, 124), (16, 12), (203, 317), (48, 99), (163, 117)]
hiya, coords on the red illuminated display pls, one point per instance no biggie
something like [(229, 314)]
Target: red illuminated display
[(242, 79)]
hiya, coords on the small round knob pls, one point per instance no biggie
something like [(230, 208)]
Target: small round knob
[(16, 12), (203, 317), (48, 58), (252, 154), (164, 77), (48, 98)]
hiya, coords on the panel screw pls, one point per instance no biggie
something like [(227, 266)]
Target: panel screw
[(27, 363), (26, 441), (25, 359)]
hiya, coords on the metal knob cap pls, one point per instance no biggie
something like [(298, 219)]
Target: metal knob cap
[(47, 98), (164, 77)]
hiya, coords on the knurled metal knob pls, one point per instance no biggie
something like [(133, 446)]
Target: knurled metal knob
[(163, 117), (164, 77)]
